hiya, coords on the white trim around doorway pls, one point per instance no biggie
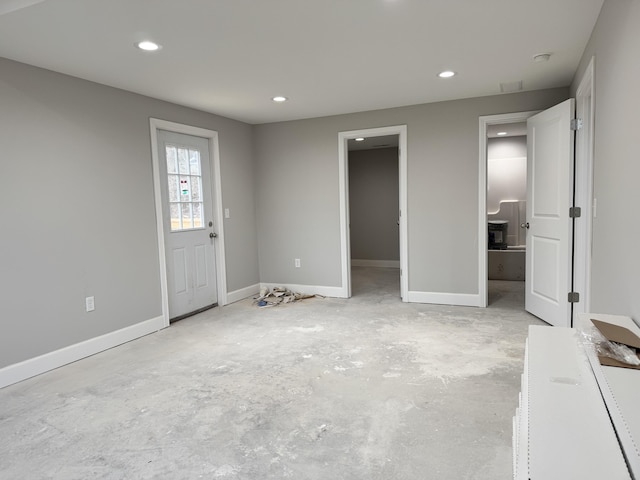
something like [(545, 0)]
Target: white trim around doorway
[(216, 181), (343, 162), (485, 121), (585, 108)]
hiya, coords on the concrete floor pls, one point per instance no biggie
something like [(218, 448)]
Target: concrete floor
[(366, 388)]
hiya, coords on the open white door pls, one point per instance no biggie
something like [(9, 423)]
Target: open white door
[(549, 198)]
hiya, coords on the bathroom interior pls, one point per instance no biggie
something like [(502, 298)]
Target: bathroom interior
[(506, 200)]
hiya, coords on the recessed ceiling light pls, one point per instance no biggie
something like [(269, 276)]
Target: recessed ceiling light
[(446, 74), (279, 99), (359, 139), (501, 134), (148, 46)]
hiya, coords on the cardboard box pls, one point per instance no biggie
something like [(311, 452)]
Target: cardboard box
[(618, 334)]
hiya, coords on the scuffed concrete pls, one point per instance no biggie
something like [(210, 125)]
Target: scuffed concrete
[(366, 388)]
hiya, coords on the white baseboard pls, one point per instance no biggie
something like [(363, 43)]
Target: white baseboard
[(243, 293), (458, 299), (35, 366), (337, 292), (375, 263)]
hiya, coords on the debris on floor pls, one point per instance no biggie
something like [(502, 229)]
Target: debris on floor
[(278, 295)]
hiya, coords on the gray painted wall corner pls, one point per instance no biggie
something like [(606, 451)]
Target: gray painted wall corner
[(77, 193)]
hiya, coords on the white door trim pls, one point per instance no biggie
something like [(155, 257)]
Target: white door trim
[(585, 108), (345, 242), (485, 121), (216, 182)]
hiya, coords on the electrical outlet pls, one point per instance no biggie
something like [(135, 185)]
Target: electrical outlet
[(90, 304), (227, 213), (297, 263)]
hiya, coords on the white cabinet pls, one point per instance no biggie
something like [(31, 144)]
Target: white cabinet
[(562, 429)]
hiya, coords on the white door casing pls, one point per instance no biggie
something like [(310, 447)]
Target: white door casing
[(188, 222), (585, 106), (550, 144), (343, 179), (484, 123), (211, 138)]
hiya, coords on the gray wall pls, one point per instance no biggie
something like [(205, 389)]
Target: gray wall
[(374, 204), (506, 170), (616, 259), (77, 204), (507, 147), (298, 197)]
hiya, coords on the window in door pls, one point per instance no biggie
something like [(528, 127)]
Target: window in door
[(184, 176)]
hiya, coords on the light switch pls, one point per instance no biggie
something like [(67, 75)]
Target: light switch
[(227, 214), (90, 304)]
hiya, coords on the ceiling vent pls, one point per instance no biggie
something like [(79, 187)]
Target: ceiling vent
[(511, 87)]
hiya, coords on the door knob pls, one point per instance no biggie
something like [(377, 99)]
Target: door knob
[(213, 235), (525, 225)]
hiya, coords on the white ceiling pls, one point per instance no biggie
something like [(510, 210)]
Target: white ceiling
[(511, 130), (328, 57), (370, 143)]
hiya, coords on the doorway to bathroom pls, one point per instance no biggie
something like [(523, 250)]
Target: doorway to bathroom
[(560, 206), (506, 212), (549, 227)]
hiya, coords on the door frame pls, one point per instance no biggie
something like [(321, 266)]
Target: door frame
[(583, 227), (485, 121), (345, 236), (216, 184), (582, 242)]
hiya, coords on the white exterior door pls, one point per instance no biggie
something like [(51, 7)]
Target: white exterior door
[(550, 230), (187, 203)]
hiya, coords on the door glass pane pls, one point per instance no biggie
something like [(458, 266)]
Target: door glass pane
[(194, 160), (184, 179), (187, 221), (172, 166), (174, 212), (197, 215), (173, 189), (196, 189), (185, 189), (183, 161)]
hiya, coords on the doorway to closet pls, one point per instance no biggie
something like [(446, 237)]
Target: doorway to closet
[(372, 216), (374, 206)]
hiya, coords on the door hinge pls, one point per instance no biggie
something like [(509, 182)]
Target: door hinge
[(575, 212), (574, 297), (576, 124)]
